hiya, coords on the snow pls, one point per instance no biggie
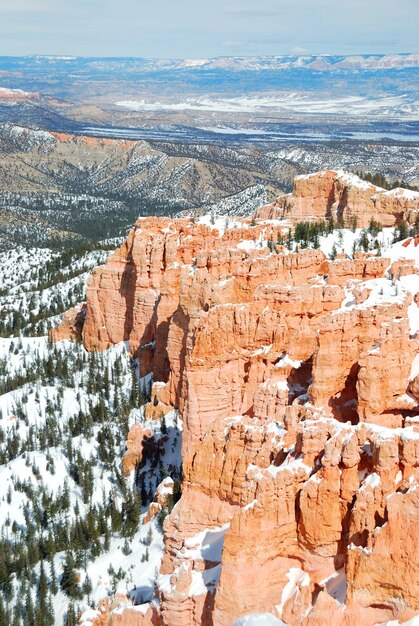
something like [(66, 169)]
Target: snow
[(49, 467), (415, 368), (410, 434), (193, 62), (262, 350), (348, 178), (201, 582), (413, 314), (221, 223), (276, 429), (138, 608), (259, 619), (336, 586), (286, 361), (88, 617), (205, 581), (414, 621), (382, 291), (251, 505), (291, 464), (290, 102), (206, 545), (296, 578), (13, 92), (400, 192), (165, 487), (248, 245), (353, 180)]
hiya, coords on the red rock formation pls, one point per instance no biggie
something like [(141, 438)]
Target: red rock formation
[(137, 436), (71, 325), (120, 612), (266, 356), (345, 197)]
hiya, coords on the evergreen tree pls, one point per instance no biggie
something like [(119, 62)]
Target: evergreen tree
[(364, 241), (70, 618), (69, 578), (29, 610), (41, 594), (53, 578), (401, 232), (87, 586)]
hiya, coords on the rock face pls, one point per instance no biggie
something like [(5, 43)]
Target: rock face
[(296, 382), (344, 197), (71, 325)]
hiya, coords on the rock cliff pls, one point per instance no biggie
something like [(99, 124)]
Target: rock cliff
[(296, 378), (344, 197)]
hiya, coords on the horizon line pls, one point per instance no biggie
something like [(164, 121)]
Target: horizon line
[(70, 57)]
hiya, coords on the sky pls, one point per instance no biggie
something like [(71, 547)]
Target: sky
[(192, 28)]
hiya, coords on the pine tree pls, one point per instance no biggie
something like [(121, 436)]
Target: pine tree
[(69, 578), (364, 242), (29, 612), (53, 578), (134, 395), (149, 537), (126, 548), (50, 613), (87, 586), (42, 589), (71, 617)]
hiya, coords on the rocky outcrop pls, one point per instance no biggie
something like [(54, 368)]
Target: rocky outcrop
[(136, 442), (71, 325), (344, 197), (295, 378), (121, 612)]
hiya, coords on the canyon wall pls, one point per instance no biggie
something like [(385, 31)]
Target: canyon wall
[(344, 197), (296, 378)]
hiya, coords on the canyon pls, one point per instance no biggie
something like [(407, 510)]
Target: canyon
[(296, 379)]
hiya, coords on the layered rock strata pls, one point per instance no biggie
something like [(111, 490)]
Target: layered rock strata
[(296, 378), (345, 198)]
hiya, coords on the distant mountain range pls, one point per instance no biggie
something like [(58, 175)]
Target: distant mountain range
[(102, 82), (320, 62)]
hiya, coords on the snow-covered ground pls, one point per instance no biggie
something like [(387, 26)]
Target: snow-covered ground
[(292, 102), (64, 418), (259, 619), (36, 468), (37, 285)]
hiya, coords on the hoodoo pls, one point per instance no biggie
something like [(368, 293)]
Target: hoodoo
[(295, 376)]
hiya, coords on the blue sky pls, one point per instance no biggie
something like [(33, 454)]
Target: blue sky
[(190, 28)]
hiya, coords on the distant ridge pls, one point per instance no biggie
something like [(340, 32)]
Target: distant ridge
[(320, 62)]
